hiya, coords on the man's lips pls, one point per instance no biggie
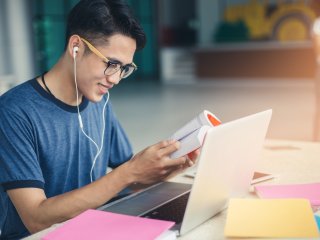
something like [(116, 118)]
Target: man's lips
[(104, 88)]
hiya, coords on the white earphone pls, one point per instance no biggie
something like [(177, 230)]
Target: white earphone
[(99, 149), (75, 51)]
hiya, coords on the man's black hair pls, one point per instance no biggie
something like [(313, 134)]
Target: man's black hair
[(96, 20)]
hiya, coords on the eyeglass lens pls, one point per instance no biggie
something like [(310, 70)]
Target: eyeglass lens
[(113, 68)]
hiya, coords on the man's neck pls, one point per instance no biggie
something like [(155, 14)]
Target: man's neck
[(60, 82)]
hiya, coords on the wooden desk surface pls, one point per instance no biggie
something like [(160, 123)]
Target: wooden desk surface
[(289, 161)]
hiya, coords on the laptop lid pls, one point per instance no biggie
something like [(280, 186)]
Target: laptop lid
[(226, 166)]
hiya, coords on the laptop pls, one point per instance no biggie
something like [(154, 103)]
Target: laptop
[(225, 169)]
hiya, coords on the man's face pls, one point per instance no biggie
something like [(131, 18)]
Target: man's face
[(92, 82)]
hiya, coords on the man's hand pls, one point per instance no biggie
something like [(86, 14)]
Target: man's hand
[(154, 163), (191, 160), (193, 156)]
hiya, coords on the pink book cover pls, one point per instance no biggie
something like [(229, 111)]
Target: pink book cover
[(94, 224), (310, 191)]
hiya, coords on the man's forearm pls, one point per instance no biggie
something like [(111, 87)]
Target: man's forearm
[(68, 205)]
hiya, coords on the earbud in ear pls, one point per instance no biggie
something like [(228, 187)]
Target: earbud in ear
[(75, 51)]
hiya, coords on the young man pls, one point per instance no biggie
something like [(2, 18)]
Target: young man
[(55, 146)]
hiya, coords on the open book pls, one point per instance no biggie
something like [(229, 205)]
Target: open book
[(192, 134)]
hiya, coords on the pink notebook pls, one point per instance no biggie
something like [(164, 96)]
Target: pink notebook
[(310, 191), (94, 224)]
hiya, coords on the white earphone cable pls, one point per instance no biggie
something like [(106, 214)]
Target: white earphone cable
[(102, 137), (80, 119)]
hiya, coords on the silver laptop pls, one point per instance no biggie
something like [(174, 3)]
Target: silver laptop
[(225, 169)]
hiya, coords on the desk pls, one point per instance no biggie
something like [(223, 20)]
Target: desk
[(289, 161)]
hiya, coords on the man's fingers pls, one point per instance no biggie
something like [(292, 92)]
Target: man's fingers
[(167, 147), (173, 162), (163, 144), (194, 155), (170, 148), (189, 163)]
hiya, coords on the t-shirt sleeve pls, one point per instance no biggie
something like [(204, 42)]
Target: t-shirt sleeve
[(19, 164), (121, 149)]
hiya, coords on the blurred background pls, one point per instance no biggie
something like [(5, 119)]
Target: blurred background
[(231, 57)]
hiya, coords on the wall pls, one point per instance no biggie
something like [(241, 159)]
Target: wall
[(16, 44)]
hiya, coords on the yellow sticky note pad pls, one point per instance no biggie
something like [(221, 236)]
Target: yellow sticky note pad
[(270, 218)]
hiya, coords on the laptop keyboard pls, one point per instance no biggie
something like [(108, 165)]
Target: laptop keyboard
[(171, 211)]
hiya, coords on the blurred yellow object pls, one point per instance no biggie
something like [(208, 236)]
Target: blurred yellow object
[(252, 14), (292, 30), (288, 22)]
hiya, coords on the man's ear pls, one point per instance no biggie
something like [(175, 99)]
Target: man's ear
[(74, 45)]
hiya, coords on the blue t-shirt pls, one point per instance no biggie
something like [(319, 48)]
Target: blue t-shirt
[(42, 146)]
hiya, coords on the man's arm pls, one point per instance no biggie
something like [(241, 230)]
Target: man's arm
[(39, 212)]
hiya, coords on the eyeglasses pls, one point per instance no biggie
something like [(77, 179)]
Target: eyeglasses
[(112, 67)]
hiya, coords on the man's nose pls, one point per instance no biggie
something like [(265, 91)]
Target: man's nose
[(114, 78)]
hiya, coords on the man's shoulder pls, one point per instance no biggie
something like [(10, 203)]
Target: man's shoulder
[(22, 87), (17, 96)]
